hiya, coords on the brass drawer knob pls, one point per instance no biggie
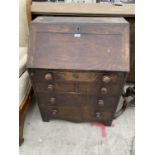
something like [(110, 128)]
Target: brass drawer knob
[(100, 102), (104, 90), (54, 112), (98, 115), (106, 79), (48, 76), (50, 87), (52, 100)]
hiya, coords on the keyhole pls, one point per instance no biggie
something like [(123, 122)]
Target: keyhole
[(78, 28)]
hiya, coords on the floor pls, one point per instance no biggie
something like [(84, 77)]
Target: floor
[(66, 138)]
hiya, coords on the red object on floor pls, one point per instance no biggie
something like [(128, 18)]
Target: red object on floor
[(103, 127)]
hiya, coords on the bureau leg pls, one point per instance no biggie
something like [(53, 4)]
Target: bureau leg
[(45, 119), (44, 116), (108, 123)]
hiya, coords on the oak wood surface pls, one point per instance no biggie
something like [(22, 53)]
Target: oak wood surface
[(68, 73), (93, 10), (102, 45)]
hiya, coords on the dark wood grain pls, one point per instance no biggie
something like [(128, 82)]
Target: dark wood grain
[(101, 45), (93, 10), (78, 79)]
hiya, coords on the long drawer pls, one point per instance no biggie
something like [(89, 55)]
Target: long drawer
[(79, 88), (40, 75), (76, 100), (78, 114)]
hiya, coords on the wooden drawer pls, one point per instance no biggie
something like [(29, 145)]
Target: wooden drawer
[(99, 103), (79, 88), (78, 114), (48, 76)]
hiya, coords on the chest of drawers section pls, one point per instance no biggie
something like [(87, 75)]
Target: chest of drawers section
[(77, 96)]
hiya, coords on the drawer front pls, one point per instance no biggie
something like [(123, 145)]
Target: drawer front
[(82, 88), (47, 76), (79, 114), (99, 103)]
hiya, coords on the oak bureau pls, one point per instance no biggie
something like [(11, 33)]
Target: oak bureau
[(78, 66)]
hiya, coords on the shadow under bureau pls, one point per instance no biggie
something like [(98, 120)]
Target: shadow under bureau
[(78, 66)]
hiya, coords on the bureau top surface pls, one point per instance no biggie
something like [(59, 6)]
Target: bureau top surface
[(79, 43)]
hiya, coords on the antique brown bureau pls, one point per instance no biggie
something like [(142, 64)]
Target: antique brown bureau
[(78, 66)]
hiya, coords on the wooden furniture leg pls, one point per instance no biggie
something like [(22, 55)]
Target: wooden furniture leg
[(22, 112)]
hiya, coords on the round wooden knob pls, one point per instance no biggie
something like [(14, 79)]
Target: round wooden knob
[(97, 114), (104, 90), (54, 112), (100, 102), (50, 87), (106, 79), (52, 100), (48, 76)]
